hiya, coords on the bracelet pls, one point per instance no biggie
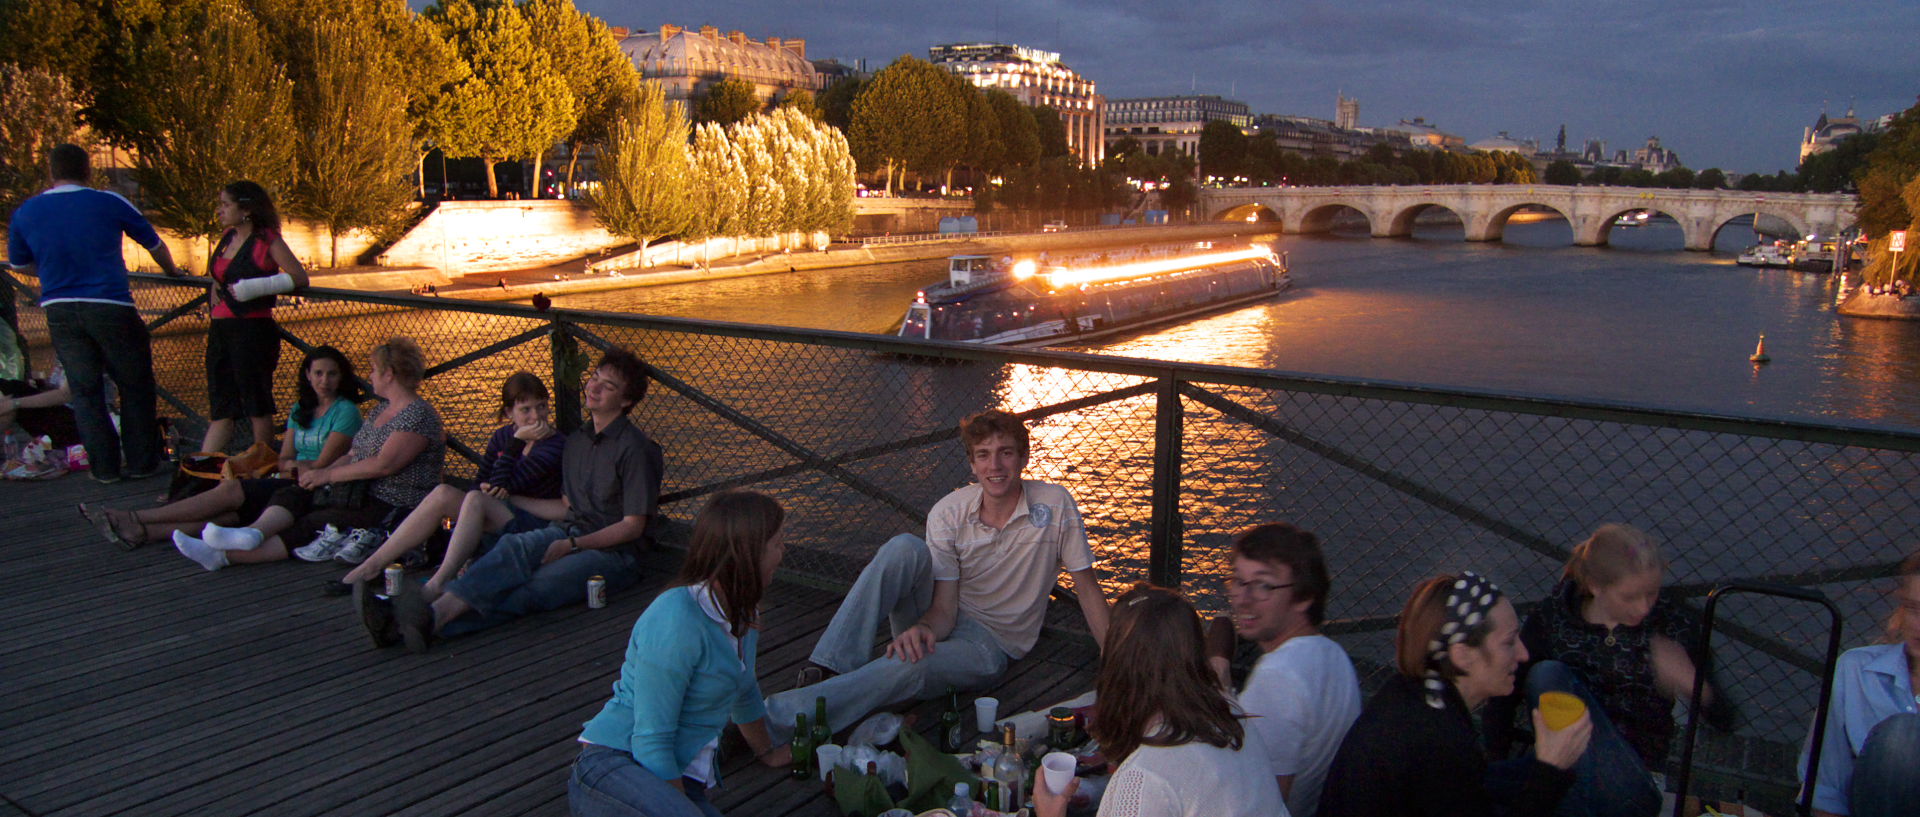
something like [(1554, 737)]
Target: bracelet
[(573, 545)]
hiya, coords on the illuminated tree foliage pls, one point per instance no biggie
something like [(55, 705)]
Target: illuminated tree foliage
[(512, 104), (356, 153), (802, 100), (601, 79), (1890, 199), (41, 110), (206, 117), (908, 117), (718, 193), (645, 170)]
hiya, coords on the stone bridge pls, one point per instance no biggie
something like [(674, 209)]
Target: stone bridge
[(1485, 208)]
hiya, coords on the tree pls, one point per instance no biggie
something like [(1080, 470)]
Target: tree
[(41, 113), (599, 76), (1051, 131), (726, 102), (511, 104), (1832, 171), (718, 193), (1223, 149), (1019, 135), (907, 118), (645, 170), (1889, 169), (207, 117), (836, 102), (1678, 178), (355, 150), (985, 151), (1712, 178), (1561, 171), (801, 100), (61, 38)]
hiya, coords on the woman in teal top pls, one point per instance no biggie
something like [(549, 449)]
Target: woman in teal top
[(319, 430), (689, 671)]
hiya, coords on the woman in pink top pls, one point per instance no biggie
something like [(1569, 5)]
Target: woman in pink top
[(250, 266)]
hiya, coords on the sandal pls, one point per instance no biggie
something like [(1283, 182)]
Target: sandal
[(102, 521)]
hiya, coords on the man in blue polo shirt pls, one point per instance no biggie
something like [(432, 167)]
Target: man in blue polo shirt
[(70, 236)]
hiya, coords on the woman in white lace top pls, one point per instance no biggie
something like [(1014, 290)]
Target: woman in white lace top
[(1163, 717)]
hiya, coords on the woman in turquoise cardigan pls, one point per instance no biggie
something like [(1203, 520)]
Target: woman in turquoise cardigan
[(689, 671)]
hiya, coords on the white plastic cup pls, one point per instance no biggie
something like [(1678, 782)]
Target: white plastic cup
[(826, 757), (985, 710), (1058, 768)]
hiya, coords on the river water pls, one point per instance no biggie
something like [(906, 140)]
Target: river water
[(1639, 321)]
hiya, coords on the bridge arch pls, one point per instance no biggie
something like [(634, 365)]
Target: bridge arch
[(1401, 222), (1798, 224), (1251, 211), (1319, 219), (1493, 226), (1595, 231)]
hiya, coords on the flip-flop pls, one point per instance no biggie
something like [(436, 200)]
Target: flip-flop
[(103, 523)]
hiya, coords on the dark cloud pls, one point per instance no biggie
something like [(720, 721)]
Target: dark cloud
[(1723, 83)]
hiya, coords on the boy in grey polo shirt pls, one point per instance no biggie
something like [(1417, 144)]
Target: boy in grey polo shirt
[(610, 475)]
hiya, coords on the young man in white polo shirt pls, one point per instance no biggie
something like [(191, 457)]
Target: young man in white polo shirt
[(963, 602), (1302, 693)]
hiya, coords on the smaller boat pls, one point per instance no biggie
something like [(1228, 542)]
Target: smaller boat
[(1764, 255), (1814, 256), (1633, 218)]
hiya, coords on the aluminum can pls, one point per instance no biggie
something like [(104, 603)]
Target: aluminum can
[(597, 592), (396, 574)]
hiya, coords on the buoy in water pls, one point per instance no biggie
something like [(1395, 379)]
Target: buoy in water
[(1760, 350)]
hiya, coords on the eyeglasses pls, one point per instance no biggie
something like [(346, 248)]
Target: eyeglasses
[(1254, 590)]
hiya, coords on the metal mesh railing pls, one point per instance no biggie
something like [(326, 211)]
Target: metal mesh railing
[(855, 434)]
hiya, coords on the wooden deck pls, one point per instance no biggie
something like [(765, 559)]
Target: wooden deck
[(137, 683)]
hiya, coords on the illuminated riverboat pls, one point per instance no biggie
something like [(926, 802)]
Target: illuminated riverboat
[(1041, 303)]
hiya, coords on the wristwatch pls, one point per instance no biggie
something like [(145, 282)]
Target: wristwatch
[(573, 545)]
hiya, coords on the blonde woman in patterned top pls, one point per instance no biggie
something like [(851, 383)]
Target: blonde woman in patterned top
[(396, 459)]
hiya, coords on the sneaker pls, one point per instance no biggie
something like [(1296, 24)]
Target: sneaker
[(359, 544), (323, 546), (376, 614)]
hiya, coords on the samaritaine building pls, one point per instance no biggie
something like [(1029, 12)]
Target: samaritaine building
[(686, 62), (1035, 78)]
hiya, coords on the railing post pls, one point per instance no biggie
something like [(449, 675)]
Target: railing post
[(568, 367), (1164, 537)]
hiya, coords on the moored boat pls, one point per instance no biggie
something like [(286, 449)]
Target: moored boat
[(1764, 255), (1031, 302)]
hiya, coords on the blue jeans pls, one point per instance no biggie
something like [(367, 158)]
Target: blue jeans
[(1608, 780), (1885, 782), (898, 584), (95, 341), (509, 581), (610, 783)]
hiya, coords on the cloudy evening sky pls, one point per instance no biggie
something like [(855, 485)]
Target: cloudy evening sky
[(1725, 84)]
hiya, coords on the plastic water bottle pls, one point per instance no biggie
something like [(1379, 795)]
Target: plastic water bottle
[(962, 803)]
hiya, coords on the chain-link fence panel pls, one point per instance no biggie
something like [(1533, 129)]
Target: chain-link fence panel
[(856, 435)]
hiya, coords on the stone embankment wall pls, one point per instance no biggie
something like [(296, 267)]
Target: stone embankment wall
[(702, 253), (311, 244), (1863, 304), (461, 237)]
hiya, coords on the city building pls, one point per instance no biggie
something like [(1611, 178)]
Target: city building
[(1651, 157), (1826, 132), (1346, 112), (1425, 134), (686, 62), (1034, 77), (1164, 124), (1507, 144), (1308, 136)]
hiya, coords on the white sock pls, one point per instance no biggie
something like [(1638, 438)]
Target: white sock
[(199, 552), (224, 538)]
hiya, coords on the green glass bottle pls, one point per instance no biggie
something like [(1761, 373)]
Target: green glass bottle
[(802, 748), (822, 732), (950, 721)]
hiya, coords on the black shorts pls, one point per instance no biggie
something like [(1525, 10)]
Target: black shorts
[(241, 356), (257, 494), (343, 505)]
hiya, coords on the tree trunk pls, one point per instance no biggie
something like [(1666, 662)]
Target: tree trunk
[(534, 187), (889, 183), (573, 160), (493, 181), (420, 175), (333, 247)]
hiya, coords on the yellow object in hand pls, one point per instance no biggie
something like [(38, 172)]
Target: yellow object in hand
[(1560, 709)]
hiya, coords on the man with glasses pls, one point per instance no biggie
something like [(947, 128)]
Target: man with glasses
[(1302, 693), (610, 478)]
